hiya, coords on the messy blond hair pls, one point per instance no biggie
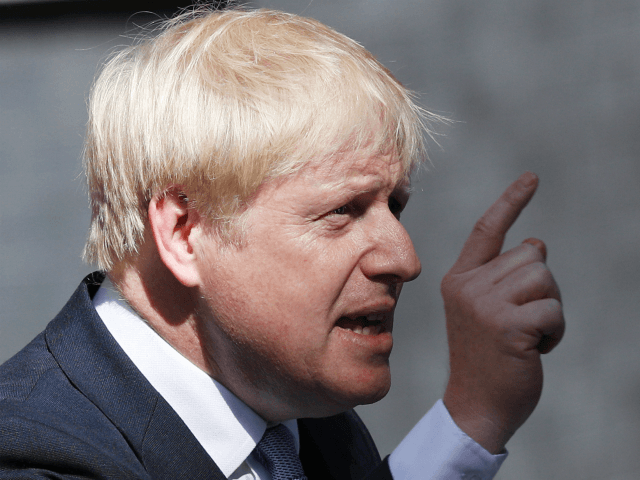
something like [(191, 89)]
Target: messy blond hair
[(218, 102)]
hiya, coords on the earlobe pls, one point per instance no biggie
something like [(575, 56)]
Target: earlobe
[(174, 226)]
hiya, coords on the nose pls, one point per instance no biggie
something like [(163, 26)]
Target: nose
[(391, 256)]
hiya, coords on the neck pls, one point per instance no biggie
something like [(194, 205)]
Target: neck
[(165, 304)]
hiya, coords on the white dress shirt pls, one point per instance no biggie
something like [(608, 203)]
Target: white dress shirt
[(229, 430)]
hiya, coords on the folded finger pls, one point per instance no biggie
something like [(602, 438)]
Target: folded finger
[(512, 260), (529, 283), (544, 321)]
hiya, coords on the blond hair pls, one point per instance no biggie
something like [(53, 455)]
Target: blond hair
[(220, 101)]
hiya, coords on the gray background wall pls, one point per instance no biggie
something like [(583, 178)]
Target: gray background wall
[(539, 85)]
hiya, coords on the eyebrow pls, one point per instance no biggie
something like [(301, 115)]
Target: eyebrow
[(403, 186)]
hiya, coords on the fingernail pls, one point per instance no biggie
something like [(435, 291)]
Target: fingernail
[(539, 244), (528, 179)]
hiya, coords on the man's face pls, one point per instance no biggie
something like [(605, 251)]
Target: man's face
[(298, 320)]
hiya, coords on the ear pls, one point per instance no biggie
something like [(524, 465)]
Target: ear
[(174, 227)]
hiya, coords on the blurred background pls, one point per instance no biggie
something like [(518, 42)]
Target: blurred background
[(541, 85)]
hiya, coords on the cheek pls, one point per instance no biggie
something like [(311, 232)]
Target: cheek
[(271, 314), (274, 354), (308, 279)]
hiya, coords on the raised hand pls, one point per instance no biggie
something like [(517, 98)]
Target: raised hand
[(503, 311)]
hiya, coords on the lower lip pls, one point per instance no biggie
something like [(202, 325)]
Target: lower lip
[(380, 343)]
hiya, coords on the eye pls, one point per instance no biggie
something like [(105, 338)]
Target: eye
[(340, 211)]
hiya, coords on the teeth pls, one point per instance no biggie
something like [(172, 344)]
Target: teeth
[(371, 324), (369, 330), (372, 329)]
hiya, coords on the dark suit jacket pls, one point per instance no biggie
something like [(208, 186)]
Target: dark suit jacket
[(73, 405)]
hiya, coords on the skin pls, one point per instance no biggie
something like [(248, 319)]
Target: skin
[(267, 319), (320, 246), (503, 311)]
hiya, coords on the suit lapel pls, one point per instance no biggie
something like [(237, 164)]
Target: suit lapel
[(337, 447), (99, 368)]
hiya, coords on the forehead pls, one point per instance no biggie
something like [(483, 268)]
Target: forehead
[(336, 179), (382, 170)]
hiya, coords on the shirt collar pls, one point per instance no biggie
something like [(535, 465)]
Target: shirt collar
[(226, 427)]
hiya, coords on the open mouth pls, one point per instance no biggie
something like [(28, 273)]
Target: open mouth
[(372, 324)]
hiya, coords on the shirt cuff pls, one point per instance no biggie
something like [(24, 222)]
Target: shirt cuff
[(436, 448)]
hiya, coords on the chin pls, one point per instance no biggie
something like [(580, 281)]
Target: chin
[(374, 394), (329, 401), (363, 390), (377, 396)]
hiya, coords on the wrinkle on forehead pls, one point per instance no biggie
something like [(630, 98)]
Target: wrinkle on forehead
[(353, 169), (358, 171)]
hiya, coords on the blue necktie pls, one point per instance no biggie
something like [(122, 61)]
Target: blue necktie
[(277, 452)]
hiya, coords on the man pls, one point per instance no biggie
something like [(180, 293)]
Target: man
[(247, 171)]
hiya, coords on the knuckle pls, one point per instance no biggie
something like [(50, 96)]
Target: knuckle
[(542, 274), (451, 282), (445, 284), (537, 273), (555, 310), (515, 196), (484, 227), (532, 253), (552, 316), (551, 287)]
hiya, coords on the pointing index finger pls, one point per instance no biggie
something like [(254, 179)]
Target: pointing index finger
[(488, 234)]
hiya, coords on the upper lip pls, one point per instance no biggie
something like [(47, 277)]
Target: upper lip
[(374, 314)]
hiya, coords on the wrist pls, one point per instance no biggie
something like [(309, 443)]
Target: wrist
[(480, 425)]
